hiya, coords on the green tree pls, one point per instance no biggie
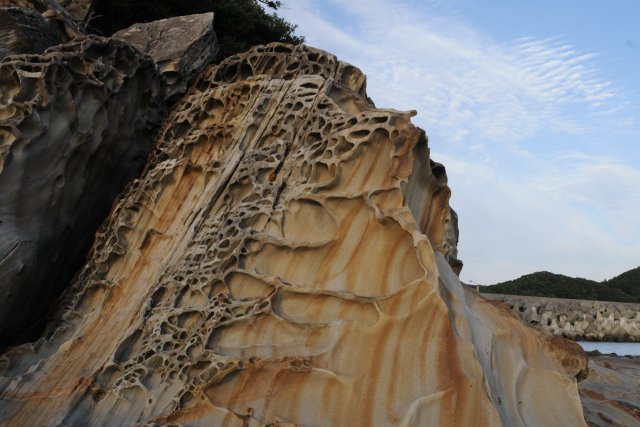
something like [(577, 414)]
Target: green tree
[(622, 288)]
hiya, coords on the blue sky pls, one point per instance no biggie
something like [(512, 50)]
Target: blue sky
[(533, 107)]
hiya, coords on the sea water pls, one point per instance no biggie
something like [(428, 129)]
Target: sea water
[(619, 348)]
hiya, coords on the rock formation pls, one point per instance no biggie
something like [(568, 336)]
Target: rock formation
[(285, 259), (76, 126), (181, 47)]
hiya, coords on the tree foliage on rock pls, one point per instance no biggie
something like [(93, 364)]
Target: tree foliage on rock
[(239, 24)]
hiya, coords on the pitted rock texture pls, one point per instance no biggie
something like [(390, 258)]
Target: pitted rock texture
[(282, 261), (76, 125), (577, 319), (181, 46)]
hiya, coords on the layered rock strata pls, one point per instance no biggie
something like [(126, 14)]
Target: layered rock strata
[(181, 47), (577, 319), (283, 261), (75, 126)]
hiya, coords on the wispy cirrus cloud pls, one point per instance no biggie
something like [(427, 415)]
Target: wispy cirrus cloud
[(464, 84)]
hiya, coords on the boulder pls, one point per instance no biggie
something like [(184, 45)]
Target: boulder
[(181, 46), (76, 126)]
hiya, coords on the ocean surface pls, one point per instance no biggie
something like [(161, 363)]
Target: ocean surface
[(619, 348)]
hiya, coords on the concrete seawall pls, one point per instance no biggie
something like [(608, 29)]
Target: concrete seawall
[(577, 319)]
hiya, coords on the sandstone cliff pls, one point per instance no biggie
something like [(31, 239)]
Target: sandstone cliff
[(285, 259)]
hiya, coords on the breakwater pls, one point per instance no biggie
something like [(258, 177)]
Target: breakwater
[(577, 319)]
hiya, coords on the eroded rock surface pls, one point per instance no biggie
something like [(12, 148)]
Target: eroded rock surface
[(181, 46), (611, 392), (285, 260), (75, 127)]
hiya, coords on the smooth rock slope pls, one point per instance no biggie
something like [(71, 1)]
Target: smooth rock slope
[(285, 259)]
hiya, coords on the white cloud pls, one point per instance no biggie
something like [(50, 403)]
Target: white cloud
[(464, 84), (605, 186), (483, 102), (516, 226)]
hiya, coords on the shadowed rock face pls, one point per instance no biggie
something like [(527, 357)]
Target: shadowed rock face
[(31, 26), (25, 31), (284, 259), (75, 127)]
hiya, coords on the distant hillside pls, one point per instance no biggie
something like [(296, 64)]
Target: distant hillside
[(623, 288)]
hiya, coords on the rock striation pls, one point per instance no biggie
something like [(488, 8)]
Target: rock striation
[(76, 125), (181, 47), (285, 259), (577, 319)]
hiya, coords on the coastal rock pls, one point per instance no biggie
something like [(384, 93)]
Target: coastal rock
[(285, 259), (76, 127), (181, 46), (611, 393)]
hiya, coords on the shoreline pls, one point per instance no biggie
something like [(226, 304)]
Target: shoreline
[(610, 394)]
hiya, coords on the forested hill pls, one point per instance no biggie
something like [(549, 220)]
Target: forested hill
[(624, 288)]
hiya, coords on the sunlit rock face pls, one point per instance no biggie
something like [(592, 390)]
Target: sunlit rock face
[(285, 259), (75, 127)]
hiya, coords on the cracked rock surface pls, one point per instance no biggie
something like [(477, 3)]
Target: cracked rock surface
[(611, 392), (285, 259), (181, 47), (75, 127)]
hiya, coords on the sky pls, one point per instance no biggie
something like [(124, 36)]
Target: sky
[(533, 108)]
